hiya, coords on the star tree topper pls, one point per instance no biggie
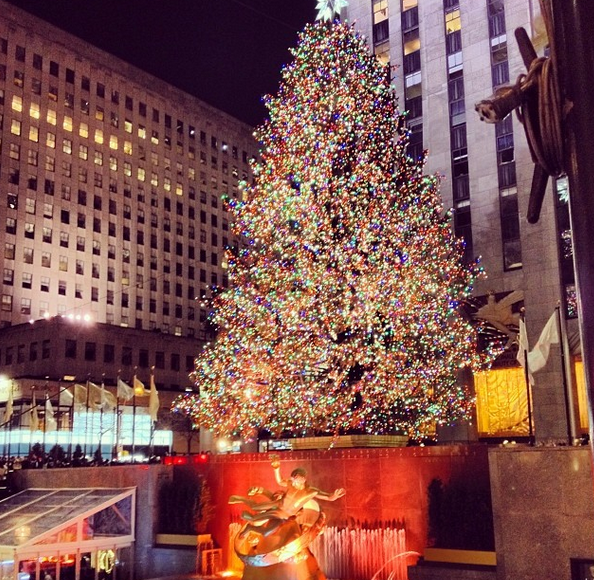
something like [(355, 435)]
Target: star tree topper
[(328, 8)]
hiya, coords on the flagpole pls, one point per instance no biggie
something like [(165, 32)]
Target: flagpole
[(71, 425), (86, 420), (31, 418), (134, 416), (152, 431), (101, 415), (114, 450), (566, 382), (44, 418), (10, 420), (57, 416), (528, 390)]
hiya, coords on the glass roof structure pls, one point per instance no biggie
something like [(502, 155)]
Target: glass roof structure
[(37, 521)]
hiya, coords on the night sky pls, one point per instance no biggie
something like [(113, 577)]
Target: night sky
[(228, 53)]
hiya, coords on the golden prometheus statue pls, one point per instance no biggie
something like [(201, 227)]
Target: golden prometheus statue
[(274, 542)]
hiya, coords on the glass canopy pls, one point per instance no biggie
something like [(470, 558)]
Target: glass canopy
[(38, 522)]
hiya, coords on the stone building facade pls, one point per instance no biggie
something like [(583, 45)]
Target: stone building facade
[(113, 187), (445, 56)]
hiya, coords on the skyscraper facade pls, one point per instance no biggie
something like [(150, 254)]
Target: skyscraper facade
[(113, 187), (444, 56)]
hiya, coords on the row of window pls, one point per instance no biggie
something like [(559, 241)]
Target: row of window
[(411, 64), (101, 93), (31, 205), (166, 310), (47, 234), (49, 185), (94, 352), (99, 136), (458, 130), (141, 174), (506, 165), (64, 261)]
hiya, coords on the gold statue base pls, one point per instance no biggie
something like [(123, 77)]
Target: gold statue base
[(304, 568)]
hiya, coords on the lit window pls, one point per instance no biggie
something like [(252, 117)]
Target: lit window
[(179, 190), (51, 116), (34, 110), (17, 103), (128, 147), (67, 123), (127, 168), (142, 132), (67, 146), (380, 11), (50, 140), (83, 130), (141, 174), (113, 142), (98, 136), (83, 152), (98, 158), (34, 134), (412, 44), (15, 127), (167, 184), (154, 179), (452, 21), (127, 125), (6, 302)]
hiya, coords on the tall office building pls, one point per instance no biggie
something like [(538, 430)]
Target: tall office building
[(445, 56), (112, 212)]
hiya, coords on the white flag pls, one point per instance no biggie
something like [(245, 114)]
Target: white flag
[(95, 395), (108, 400), (34, 418), (125, 391), (80, 398), (153, 400), (66, 398), (523, 349), (537, 358), (50, 420)]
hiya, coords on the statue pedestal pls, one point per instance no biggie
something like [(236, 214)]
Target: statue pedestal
[(304, 566)]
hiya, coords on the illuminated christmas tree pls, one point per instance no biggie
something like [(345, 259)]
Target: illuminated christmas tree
[(344, 308)]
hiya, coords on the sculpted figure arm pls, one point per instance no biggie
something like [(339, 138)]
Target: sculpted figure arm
[(336, 494), (275, 462)]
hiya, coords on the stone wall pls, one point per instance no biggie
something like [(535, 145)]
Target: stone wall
[(383, 485), (543, 510)]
